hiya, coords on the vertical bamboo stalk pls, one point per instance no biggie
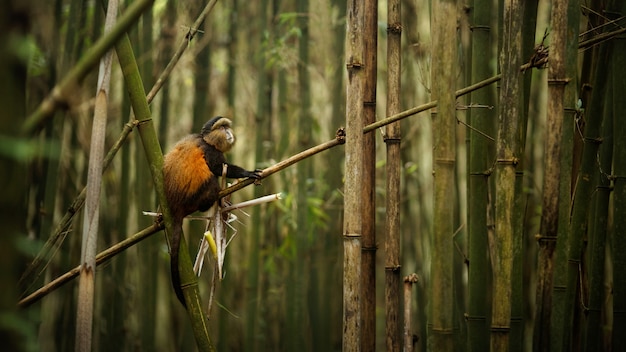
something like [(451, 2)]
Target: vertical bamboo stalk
[(480, 161), (407, 334), (86, 283), (392, 139), (566, 162), (352, 225), (262, 129), (582, 196), (501, 246), (618, 337), (368, 259), (557, 80), (443, 78), (597, 234)]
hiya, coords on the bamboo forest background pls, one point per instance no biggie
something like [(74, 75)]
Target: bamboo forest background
[(506, 203)]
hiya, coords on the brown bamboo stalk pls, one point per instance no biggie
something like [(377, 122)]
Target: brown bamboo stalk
[(87, 283), (369, 179), (352, 225), (548, 231), (407, 334), (392, 139), (501, 245)]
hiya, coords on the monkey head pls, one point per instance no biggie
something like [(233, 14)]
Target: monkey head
[(218, 133)]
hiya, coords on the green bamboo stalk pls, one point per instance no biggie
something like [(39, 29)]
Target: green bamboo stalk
[(481, 156), (352, 224), (557, 80), (443, 78), (296, 312), (60, 94), (507, 147), (566, 162), (597, 234), (582, 196), (521, 260), (619, 186), (262, 129), (154, 155), (392, 138), (368, 262)]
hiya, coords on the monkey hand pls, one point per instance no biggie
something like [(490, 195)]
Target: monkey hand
[(256, 174)]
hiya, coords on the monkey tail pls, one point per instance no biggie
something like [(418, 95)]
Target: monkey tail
[(175, 246)]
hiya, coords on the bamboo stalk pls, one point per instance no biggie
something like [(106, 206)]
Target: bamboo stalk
[(566, 163), (582, 196), (368, 255), (392, 138), (87, 282), (481, 154), (352, 225), (557, 80), (409, 281), (501, 246), (443, 79)]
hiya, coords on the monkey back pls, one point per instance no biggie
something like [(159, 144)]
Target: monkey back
[(189, 183)]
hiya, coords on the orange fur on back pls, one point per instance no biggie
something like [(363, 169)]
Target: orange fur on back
[(186, 168)]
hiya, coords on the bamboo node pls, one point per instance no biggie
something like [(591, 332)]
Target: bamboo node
[(500, 328), (340, 135), (393, 268), (392, 140), (141, 122), (474, 317), (411, 278), (480, 28), (369, 248), (558, 81), (540, 238), (512, 161)]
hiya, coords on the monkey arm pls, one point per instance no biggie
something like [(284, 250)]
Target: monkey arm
[(234, 171)]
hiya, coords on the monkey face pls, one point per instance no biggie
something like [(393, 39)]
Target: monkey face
[(230, 137)]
